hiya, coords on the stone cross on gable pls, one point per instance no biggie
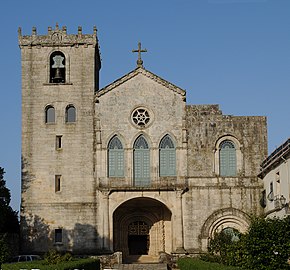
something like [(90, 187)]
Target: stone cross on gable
[(139, 51)]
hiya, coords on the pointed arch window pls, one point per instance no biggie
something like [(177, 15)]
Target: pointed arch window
[(167, 157), (49, 114), (141, 162), (70, 114), (115, 158), (228, 159), (57, 67)]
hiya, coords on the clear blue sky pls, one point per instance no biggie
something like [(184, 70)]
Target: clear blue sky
[(235, 53)]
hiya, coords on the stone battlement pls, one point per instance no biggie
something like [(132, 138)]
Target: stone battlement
[(57, 37)]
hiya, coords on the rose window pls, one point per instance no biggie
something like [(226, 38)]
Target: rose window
[(141, 117)]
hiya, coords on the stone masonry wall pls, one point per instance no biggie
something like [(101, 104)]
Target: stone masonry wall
[(206, 125), (214, 202), (41, 160)]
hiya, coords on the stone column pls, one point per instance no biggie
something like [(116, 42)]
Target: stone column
[(178, 226), (106, 223)]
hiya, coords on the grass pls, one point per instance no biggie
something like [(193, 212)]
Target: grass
[(196, 264)]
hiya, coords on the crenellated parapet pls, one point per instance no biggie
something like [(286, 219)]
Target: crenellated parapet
[(58, 37)]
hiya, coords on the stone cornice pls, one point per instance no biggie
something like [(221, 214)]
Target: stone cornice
[(57, 37), (135, 72)]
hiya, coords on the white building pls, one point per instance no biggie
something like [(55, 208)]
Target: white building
[(275, 171)]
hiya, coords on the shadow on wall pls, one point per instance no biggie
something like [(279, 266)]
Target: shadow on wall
[(34, 235), (37, 237), (84, 239)]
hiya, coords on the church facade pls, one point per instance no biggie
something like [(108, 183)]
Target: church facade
[(130, 167)]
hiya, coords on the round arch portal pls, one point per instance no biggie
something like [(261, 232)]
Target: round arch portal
[(222, 219), (142, 226)]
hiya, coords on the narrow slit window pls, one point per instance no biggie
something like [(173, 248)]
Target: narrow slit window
[(57, 183), (270, 195), (278, 184), (58, 142), (58, 235)]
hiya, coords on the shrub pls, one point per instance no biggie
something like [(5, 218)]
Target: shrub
[(54, 257), (86, 264), (266, 246), (225, 247)]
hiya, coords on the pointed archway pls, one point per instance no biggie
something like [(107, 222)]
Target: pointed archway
[(142, 226)]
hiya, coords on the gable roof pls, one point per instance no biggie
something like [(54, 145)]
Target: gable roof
[(145, 72)]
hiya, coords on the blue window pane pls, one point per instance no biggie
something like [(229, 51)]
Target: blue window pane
[(70, 114), (116, 158), (141, 162), (167, 157), (228, 163), (50, 115)]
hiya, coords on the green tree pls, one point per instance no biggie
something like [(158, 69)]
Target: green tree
[(5, 195), (267, 244), (8, 221), (4, 250)]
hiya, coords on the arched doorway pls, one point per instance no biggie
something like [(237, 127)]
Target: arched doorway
[(142, 226)]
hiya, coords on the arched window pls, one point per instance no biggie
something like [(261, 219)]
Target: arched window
[(57, 67), (227, 157), (49, 114), (231, 234), (141, 162), (70, 114), (115, 158), (167, 157)]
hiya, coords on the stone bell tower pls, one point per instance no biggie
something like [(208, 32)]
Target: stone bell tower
[(60, 75)]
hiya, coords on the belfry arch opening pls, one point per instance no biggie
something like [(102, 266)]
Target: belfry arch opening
[(142, 226)]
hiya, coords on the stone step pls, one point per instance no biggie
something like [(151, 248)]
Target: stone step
[(142, 266)]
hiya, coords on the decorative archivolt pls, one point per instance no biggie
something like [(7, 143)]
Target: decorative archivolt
[(225, 218)]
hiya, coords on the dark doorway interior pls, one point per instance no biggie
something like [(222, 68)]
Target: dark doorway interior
[(138, 244)]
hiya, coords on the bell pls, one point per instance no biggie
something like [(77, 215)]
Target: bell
[(58, 76)]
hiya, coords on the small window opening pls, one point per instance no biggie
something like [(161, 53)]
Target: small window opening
[(70, 114), (58, 142), (57, 183), (263, 201), (278, 184), (49, 114), (270, 196), (58, 235)]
